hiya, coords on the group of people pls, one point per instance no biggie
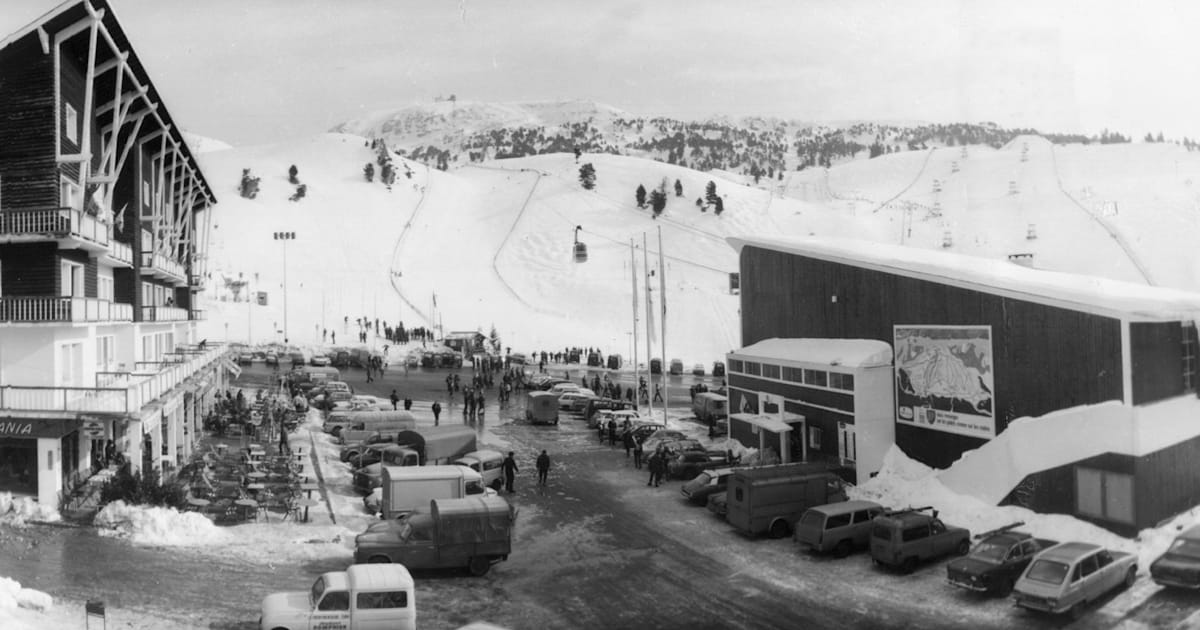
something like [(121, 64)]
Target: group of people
[(510, 470)]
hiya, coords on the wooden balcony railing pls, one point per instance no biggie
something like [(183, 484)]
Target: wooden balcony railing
[(41, 309), (121, 252), (164, 314), (161, 265), (54, 223)]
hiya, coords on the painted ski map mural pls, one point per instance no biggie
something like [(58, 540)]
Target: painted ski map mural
[(944, 378)]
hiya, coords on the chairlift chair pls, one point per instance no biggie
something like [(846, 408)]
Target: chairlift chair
[(581, 254)]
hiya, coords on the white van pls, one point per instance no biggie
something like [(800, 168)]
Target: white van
[(487, 463), (363, 597)]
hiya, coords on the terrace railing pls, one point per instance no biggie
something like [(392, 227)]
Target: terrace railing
[(54, 222), (45, 308), (164, 314)]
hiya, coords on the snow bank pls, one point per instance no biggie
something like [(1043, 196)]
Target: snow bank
[(18, 510), (13, 596), (151, 525)]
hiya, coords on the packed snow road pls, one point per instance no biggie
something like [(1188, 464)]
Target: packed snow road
[(596, 548)]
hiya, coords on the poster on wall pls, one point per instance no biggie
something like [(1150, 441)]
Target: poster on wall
[(945, 379)]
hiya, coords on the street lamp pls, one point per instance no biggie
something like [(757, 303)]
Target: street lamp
[(285, 237)]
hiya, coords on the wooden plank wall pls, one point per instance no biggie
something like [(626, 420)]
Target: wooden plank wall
[(30, 269), (1157, 361), (27, 165)]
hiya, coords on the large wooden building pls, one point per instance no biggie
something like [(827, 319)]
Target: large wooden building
[(980, 343), (102, 232)]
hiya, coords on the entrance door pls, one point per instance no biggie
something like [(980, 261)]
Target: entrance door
[(847, 445)]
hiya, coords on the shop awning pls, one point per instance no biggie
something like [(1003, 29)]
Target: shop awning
[(768, 422)]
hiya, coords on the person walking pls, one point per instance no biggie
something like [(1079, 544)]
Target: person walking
[(510, 471), (395, 400), (652, 464), (437, 411), (658, 465), (627, 438), (612, 432), (543, 467), (637, 454), (407, 403)]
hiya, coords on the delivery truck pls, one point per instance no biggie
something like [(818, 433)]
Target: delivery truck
[(406, 488), (418, 447), (769, 499), (473, 532), (363, 597)]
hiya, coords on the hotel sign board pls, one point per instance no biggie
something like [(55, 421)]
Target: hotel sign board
[(36, 428)]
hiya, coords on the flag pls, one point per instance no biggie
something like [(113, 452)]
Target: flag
[(650, 332), (434, 300)]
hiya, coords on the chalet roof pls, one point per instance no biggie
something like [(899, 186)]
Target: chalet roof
[(854, 353), (72, 11), (1077, 292)]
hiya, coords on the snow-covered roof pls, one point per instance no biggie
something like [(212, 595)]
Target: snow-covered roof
[(855, 353), (768, 421), (1112, 298)]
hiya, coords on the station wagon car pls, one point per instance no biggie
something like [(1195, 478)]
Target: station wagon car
[(1065, 577)]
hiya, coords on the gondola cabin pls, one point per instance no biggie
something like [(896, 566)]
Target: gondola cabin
[(580, 252)]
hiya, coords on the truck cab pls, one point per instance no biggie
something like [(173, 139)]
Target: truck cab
[(363, 597)]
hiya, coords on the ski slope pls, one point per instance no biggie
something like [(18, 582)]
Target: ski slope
[(491, 243)]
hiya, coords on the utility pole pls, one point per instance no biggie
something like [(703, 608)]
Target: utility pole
[(285, 237)]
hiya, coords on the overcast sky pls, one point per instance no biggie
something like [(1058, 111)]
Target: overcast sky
[(254, 71)]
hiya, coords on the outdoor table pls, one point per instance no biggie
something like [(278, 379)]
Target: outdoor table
[(198, 503), (308, 487), (256, 475), (307, 503), (255, 487), (247, 505)]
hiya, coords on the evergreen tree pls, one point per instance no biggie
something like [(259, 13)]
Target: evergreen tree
[(710, 192), (369, 172), (587, 176), (641, 196), (718, 206), (678, 189), (292, 172), (658, 201)]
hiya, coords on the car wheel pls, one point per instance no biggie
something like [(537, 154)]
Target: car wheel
[(1076, 611), (779, 529), (379, 560), (1130, 577), (962, 548), (842, 549), (478, 565), (909, 565)]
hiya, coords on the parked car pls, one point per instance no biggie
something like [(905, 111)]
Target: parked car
[(575, 400), (660, 436), (643, 429), (1067, 576), (676, 367), (996, 561), (271, 358), (604, 415), (362, 596), (320, 360), (708, 483), (698, 369), (1179, 565), (245, 358), (687, 464), (904, 538), (839, 527)]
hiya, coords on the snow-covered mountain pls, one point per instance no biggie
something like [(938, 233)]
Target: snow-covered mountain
[(490, 244)]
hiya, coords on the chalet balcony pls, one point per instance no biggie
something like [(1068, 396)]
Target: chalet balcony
[(69, 227), (164, 314), (53, 309), (115, 392), (120, 254), (196, 281), (163, 268), (199, 314)]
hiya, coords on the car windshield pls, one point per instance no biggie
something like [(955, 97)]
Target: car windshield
[(989, 551), (702, 479), (812, 518), (318, 589), (1186, 547), (1048, 571)]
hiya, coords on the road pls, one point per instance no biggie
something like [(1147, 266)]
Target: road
[(596, 548)]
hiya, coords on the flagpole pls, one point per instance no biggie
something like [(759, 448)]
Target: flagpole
[(633, 277), (649, 330), (662, 305)]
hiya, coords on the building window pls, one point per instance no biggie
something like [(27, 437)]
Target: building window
[(814, 437), (841, 381), (1189, 356), (753, 369), (72, 279), (105, 353), (770, 371), (70, 365), (816, 377), (1103, 494), (104, 288), (69, 194), (794, 375), (735, 365), (71, 122)]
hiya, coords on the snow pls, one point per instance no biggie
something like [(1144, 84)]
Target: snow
[(22, 608), (1080, 292), (19, 509), (845, 352)]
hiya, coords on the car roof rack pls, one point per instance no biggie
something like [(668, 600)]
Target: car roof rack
[(910, 509), (999, 530)]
